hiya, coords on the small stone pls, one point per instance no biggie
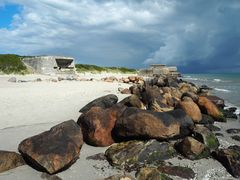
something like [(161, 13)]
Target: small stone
[(151, 173), (211, 127), (120, 177), (12, 79), (219, 134)]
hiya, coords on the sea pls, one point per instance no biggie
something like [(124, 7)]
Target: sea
[(226, 86)]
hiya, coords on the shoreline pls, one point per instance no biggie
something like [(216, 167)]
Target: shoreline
[(33, 107)]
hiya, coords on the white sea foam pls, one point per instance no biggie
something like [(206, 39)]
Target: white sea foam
[(222, 90), (217, 80), (228, 105)]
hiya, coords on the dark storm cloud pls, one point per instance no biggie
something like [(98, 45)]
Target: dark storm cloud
[(196, 35)]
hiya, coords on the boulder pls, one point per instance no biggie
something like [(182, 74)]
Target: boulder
[(233, 131), (182, 172), (212, 127), (103, 102), (136, 90), (206, 119), (230, 113), (10, 160), (120, 177), (97, 125), (205, 136), (132, 153), (110, 79), (53, 150), (192, 110), (230, 159), (133, 101), (192, 149), (207, 107), (236, 137), (192, 95), (125, 91), (143, 124), (219, 102), (151, 173)]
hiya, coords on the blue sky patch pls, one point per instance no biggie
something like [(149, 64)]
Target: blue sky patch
[(6, 14)]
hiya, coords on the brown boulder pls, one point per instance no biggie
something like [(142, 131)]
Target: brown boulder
[(219, 102), (103, 102), (133, 101), (125, 91), (97, 125), (192, 109), (144, 124), (192, 149), (10, 160), (207, 107), (53, 150)]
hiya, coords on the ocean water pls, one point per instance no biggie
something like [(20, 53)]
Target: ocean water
[(226, 86)]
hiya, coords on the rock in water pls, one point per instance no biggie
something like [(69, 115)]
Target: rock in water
[(205, 136), (131, 153), (53, 150), (207, 107), (230, 159), (151, 173), (97, 125), (192, 149), (10, 160), (142, 124), (192, 109), (103, 102)]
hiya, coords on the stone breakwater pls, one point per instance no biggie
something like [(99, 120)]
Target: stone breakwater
[(162, 118)]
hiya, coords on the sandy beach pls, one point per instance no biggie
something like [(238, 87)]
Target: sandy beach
[(29, 108)]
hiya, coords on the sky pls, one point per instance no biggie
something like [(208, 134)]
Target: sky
[(198, 36)]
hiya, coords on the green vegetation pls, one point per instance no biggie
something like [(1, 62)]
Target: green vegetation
[(11, 63), (97, 69)]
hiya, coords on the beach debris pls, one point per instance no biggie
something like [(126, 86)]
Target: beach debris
[(192, 149), (133, 101), (182, 172), (191, 108), (151, 173), (53, 150), (144, 124), (12, 79), (10, 160), (207, 107), (97, 124), (120, 177), (230, 159), (233, 131), (138, 153), (103, 102), (205, 136)]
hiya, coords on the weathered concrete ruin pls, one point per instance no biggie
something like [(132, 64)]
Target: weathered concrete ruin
[(160, 69), (50, 64)]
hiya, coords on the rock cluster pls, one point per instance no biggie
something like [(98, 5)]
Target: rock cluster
[(162, 118)]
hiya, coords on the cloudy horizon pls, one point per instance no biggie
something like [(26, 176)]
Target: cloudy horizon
[(197, 36)]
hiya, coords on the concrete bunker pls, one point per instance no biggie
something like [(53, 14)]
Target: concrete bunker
[(51, 64)]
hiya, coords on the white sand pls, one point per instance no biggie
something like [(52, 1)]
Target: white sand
[(33, 107)]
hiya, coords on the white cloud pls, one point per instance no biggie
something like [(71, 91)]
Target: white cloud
[(123, 32)]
